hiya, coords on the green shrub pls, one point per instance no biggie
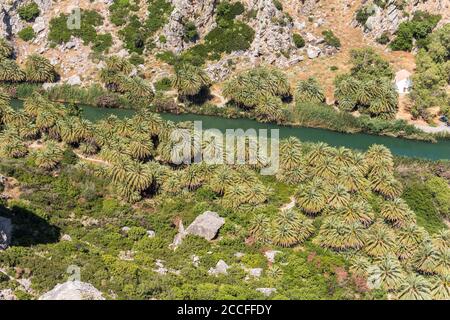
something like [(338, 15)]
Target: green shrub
[(59, 32), (418, 28), (163, 84), (136, 59), (384, 38), (26, 34), (278, 5), (190, 32), (331, 39), (29, 12), (226, 11), (363, 14), (237, 36), (298, 40)]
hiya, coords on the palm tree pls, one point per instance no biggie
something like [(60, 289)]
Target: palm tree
[(259, 228), (409, 240), (269, 109), (292, 176), (338, 235), (343, 157), (4, 99), (397, 212), (309, 91), (173, 183), (119, 65), (48, 157), (386, 185), (318, 153), (359, 266), (441, 239), (359, 161), (10, 71), (387, 273), (339, 197), (425, 259), (36, 104), (414, 287), (352, 179), (189, 79), (11, 145), (222, 178), (6, 50), (440, 288), (326, 168), (357, 211), (138, 91), (379, 154), (140, 148), (194, 176), (39, 69), (311, 198), (290, 228), (379, 241)]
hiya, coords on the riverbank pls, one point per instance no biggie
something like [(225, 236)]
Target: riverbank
[(359, 141), (295, 115)]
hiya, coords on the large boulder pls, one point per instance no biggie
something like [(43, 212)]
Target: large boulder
[(206, 225), (5, 232), (73, 290)]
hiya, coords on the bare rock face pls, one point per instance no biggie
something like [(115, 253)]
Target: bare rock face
[(273, 33), (206, 225), (73, 290), (388, 19), (5, 232), (10, 22), (200, 12)]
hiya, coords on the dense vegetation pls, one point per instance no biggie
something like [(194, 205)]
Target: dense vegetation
[(368, 87), (29, 11), (431, 78), (349, 214), (414, 33), (61, 33), (36, 68), (229, 35)]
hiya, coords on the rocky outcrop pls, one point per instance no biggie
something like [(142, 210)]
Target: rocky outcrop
[(388, 18), (10, 23), (5, 232), (206, 225), (273, 34), (200, 12), (73, 290)]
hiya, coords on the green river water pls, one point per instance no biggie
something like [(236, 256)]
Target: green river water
[(360, 141)]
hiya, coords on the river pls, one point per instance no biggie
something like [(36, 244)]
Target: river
[(359, 141)]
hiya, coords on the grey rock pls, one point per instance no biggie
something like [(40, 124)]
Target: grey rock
[(206, 225), (73, 290), (266, 291), (221, 268), (66, 237), (255, 272), (270, 255), (5, 232), (74, 80), (7, 294), (313, 52), (151, 233), (39, 25)]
